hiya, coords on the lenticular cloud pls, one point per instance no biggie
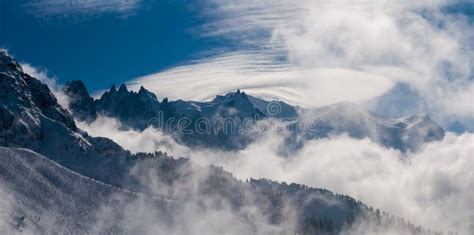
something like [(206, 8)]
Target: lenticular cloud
[(313, 53)]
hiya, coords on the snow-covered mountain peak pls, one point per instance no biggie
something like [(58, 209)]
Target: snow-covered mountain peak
[(8, 64), (238, 100), (418, 118), (30, 117), (26, 92), (27, 98)]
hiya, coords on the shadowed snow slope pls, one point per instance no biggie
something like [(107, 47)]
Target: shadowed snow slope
[(40, 196)]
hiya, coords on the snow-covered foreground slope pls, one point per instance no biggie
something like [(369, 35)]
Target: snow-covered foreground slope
[(40, 196)]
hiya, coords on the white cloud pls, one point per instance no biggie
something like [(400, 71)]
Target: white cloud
[(68, 8), (433, 188), (149, 140), (51, 82), (195, 215), (302, 86)]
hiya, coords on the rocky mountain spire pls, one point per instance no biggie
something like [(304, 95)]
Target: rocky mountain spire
[(122, 89), (81, 104), (113, 89)]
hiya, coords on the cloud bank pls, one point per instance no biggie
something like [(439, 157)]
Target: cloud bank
[(432, 188)]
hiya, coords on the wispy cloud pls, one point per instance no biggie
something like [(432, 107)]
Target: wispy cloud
[(319, 52), (302, 86), (77, 8), (42, 75)]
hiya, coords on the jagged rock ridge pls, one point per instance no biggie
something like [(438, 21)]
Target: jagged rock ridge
[(140, 112)]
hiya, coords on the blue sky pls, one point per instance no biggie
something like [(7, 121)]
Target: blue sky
[(102, 47), (102, 44)]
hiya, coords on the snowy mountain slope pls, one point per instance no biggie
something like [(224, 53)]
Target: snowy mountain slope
[(404, 133), (40, 196), (24, 100)]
